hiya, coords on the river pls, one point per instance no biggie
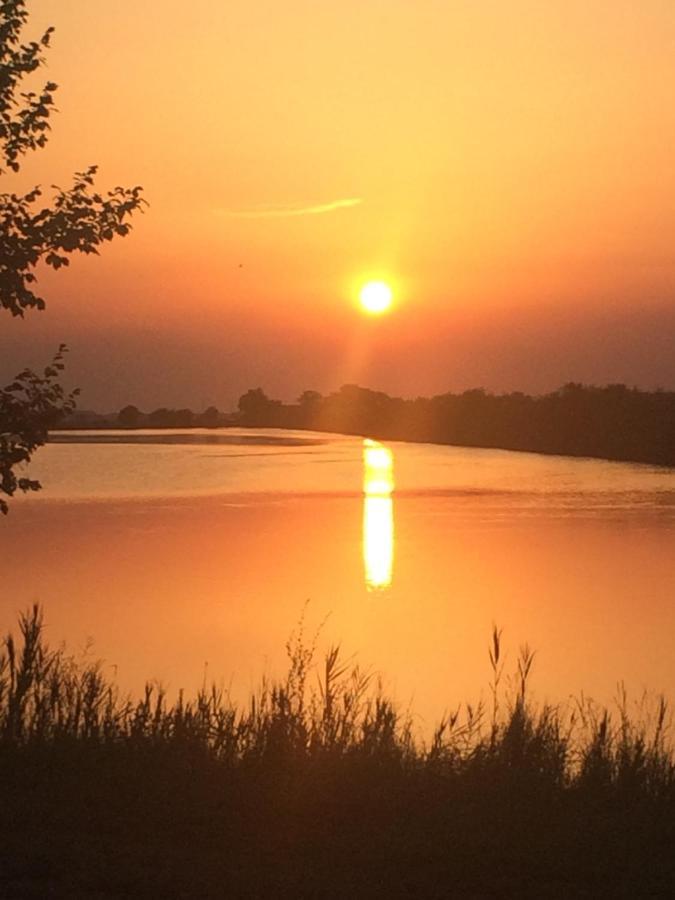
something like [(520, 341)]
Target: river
[(184, 555)]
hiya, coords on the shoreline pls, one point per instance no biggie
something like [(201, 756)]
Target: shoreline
[(385, 438)]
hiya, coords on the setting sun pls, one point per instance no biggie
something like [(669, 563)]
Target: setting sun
[(375, 297), (387, 359)]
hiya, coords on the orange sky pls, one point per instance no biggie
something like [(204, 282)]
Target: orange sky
[(512, 163)]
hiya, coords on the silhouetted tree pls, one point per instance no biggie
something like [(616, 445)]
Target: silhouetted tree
[(158, 416), (309, 400), (614, 422), (29, 406), (182, 418), (256, 408), (171, 418), (210, 418), (129, 416), (309, 407), (31, 233)]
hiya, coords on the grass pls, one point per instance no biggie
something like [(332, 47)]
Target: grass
[(318, 786)]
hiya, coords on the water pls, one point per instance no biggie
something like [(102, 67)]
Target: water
[(192, 554)]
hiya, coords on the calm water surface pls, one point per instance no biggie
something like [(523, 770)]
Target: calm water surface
[(190, 553)]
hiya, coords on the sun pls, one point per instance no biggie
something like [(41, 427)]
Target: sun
[(375, 297)]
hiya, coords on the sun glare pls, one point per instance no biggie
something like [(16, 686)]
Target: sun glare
[(375, 297), (378, 514)]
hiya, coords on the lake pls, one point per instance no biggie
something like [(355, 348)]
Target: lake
[(184, 555)]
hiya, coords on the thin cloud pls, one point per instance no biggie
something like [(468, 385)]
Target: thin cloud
[(277, 212)]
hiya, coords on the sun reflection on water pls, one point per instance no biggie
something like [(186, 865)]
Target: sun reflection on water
[(378, 514)]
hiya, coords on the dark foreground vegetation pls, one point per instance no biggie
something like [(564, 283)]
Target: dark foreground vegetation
[(612, 422), (317, 787)]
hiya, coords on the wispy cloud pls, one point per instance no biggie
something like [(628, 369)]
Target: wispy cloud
[(274, 212)]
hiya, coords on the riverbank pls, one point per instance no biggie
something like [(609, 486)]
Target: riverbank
[(614, 422)]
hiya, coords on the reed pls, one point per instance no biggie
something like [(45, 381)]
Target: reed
[(319, 783)]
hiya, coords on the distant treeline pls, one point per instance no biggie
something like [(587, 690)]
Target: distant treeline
[(611, 422), (163, 417)]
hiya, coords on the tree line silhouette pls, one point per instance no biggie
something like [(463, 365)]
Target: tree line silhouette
[(132, 417), (610, 422)]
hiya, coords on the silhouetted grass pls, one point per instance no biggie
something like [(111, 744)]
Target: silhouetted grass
[(319, 787)]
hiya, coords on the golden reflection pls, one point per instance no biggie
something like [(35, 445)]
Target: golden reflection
[(378, 514)]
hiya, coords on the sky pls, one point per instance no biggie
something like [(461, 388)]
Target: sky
[(506, 165)]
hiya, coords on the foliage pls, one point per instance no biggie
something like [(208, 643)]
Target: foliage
[(210, 418), (80, 219), (129, 416), (319, 786), (29, 406), (22, 127), (611, 422), (256, 408), (31, 233)]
